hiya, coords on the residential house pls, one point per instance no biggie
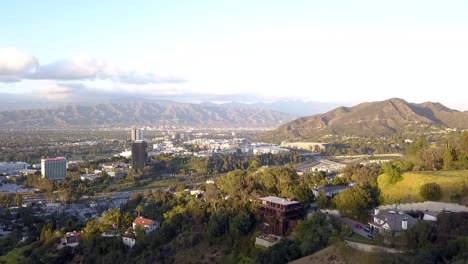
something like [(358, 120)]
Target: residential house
[(390, 220), (147, 224), (128, 239), (71, 239)]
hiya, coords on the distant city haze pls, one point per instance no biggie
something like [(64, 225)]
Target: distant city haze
[(334, 52)]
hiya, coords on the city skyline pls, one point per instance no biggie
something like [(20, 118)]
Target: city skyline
[(263, 51)]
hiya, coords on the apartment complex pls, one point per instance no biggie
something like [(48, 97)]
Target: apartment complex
[(54, 168)]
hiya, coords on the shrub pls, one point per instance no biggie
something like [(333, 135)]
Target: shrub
[(430, 191), (393, 170)]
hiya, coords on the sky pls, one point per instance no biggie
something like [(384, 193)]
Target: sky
[(327, 51)]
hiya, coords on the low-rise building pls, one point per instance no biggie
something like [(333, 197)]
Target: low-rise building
[(311, 146), (148, 225), (330, 191), (71, 239), (391, 221), (12, 167), (90, 177), (128, 239)]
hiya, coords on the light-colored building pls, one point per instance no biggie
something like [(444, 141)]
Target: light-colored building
[(330, 191), (54, 168), (90, 177), (12, 167), (311, 146), (136, 134), (126, 154), (128, 239), (147, 224)]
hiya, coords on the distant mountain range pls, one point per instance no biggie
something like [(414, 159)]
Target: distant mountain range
[(371, 119), (143, 114), (293, 107), (297, 108)]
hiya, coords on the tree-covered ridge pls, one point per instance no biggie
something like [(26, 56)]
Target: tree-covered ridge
[(382, 118)]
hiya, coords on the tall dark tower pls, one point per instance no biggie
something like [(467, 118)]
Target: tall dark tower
[(139, 154)]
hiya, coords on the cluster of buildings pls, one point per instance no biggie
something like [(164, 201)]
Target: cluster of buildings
[(316, 147), (167, 147), (52, 168), (12, 168), (262, 148), (328, 166)]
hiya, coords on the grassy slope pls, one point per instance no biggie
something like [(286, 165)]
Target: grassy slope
[(14, 256), (407, 190), (339, 254)]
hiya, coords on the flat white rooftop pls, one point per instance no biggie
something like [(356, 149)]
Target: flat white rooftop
[(278, 200)]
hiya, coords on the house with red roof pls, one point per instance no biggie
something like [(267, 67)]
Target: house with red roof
[(147, 224)]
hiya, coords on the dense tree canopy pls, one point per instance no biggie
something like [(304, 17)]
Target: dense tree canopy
[(354, 202)]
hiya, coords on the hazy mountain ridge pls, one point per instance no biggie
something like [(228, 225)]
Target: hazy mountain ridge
[(147, 114), (294, 107), (372, 119)]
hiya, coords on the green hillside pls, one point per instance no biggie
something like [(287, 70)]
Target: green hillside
[(407, 190)]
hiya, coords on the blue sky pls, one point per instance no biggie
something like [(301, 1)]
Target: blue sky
[(346, 51)]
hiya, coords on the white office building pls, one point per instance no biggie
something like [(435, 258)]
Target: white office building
[(54, 168)]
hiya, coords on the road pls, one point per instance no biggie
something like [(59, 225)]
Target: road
[(352, 224), (349, 222), (113, 195)]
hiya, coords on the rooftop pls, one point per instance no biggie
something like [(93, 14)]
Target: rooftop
[(54, 159), (278, 200), (143, 221), (333, 188), (394, 219)]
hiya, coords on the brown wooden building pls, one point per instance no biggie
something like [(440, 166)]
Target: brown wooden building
[(279, 214)]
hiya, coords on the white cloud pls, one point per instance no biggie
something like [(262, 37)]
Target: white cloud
[(56, 92), (16, 65), (15, 62), (77, 68)]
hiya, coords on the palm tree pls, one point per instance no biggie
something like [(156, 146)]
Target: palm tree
[(139, 210)]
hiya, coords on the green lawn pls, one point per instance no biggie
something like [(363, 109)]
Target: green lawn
[(14, 256), (153, 184), (407, 190)]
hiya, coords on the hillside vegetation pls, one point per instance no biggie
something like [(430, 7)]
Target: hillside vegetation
[(382, 118), (453, 185)]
